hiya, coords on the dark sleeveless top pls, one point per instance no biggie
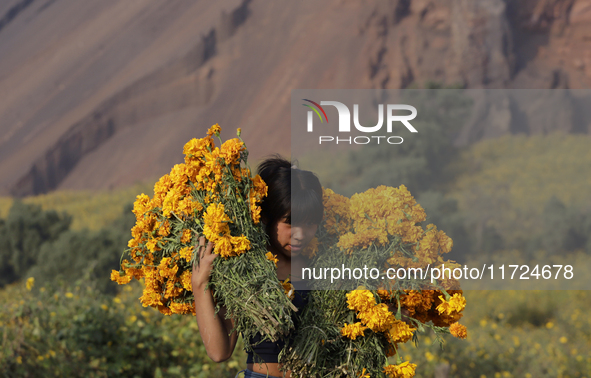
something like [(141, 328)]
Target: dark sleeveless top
[(268, 351)]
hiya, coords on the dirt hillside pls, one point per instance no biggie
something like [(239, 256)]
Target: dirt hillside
[(101, 94)]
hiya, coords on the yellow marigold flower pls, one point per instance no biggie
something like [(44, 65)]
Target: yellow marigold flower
[(385, 295), (412, 300), (216, 222), (272, 257), (170, 202), (141, 205), (186, 280), (134, 242), (260, 187), (239, 131), (152, 245), (404, 370), (186, 237), (151, 298), (30, 283), (363, 374), (172, 290), (336, 212), (165, 310), (195, 148), (182, 308), (120, 279), (240, 244), (164, 228), (458, 330), (186, 207), (223, 247), (214, 130), (400, 332), (365, 235), (288, 287), (360, 300), (230, 151), (69, 295), (255, 210), (352, 331), (445, 242), (456, 303), (164, 268), (378, 318), (162, 186), (186, 253)]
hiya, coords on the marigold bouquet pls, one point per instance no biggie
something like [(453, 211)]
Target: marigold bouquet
[(211, 194), (351, 333)]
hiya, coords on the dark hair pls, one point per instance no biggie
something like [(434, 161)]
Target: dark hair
[(286, 183)]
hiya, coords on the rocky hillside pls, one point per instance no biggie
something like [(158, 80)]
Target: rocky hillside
[(100, 94)]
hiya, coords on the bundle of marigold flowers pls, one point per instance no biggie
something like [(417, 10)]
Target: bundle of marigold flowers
[(211, 194), (351, 326)]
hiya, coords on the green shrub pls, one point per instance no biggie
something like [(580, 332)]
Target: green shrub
[(64, 331)]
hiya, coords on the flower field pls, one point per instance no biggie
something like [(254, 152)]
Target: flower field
[(68, 325), (75, 331)]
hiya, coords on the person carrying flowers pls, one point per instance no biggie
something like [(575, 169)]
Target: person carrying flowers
[(216, 242), (291, 213)]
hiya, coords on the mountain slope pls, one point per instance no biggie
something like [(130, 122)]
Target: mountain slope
[(102, 94)]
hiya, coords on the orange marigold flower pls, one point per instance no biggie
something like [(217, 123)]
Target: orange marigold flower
[(288, 288), (360, 300), (404, 370), (240, 244), (458, 330), (214, 130), (186, 253), (272, 257), (120, 279), (216, 222), (400, 332), (230, 151), (164, 228), (182, 308), (165, 270), (141, 206), (353, 331), (385, 295), (456, 304), (186, 237), (186, 280), (378, 318), (223, 247)]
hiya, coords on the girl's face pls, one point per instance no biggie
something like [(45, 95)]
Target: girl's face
[(290, 239)]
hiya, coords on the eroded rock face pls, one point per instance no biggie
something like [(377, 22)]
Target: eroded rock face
[(109, 99), (463, 43)]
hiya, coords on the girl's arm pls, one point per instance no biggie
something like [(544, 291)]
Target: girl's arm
[(214, 329)]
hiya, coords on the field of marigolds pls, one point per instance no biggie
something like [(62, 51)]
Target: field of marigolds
[(75, 331), (61, 316)]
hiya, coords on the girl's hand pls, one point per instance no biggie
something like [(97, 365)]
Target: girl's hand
[(214, 329), (201, 271)]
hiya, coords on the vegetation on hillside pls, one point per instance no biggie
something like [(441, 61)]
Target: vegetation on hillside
[(524, 197)]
